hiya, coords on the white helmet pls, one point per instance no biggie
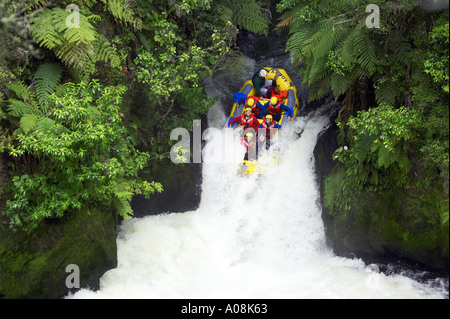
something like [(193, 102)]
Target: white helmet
[(263, 73)]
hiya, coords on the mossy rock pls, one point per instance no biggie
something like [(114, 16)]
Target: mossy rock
[(391, 223), (34, 265)]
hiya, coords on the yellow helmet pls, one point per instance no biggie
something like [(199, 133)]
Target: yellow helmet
[(249, 134), (250, 102), (274, 100), (268, 116), (247, 109)]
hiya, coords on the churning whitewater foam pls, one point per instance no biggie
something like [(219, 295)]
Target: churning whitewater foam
[(251, 237)]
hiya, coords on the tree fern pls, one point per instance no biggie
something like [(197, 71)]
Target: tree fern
[(247, 14), (80, 45), (105, 52), (122, 198), (365, 50), (386, 92), (341, 82), (73, 45), (364, 146), (28, 122), (318, 28), (18, 108), (327, 41), (44, 31), (347, 50), (32, 109), (47, 78), (22, 91), (398, 49), (45, 124), (122, 11), (123, 208)]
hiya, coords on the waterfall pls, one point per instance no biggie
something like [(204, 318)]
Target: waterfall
[(257, 236)]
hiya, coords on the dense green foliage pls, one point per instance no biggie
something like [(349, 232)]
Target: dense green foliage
[(79, 153), (90, 91), (377, 153), (392, 80)]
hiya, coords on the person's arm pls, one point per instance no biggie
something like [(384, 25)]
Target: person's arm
[(289, 110), (234, 120)]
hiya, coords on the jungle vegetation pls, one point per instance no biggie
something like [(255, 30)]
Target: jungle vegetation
[(72, 132), (90, 90), (392, 78)]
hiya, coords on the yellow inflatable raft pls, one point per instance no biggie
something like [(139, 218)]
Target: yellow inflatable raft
[(284, 83)]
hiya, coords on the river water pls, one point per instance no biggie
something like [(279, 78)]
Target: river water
[(253, 236)]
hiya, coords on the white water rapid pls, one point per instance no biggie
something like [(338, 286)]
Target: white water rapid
[(251, 237)]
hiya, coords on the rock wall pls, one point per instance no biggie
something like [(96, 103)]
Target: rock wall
[(391, 225), (34, 266)]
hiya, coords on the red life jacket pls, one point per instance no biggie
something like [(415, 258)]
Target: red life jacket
[(271, 126), (256, 110), (248, 145), (247, 123), (269, 129), (274, 110)]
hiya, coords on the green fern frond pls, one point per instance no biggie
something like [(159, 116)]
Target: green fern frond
[(365, 50), (297, 42), (45, 124), (363, 146), (123, 207), (44, 31), (72, 44), (18, 108), (123, 12), (105, 52), (247, 14), (255, 24), (74, 54), (386, 93), (22, 91), (319, 89), (28, 122), (318, 70), (340, 83), (123, 190), (224, 11), (347, 50), (37, 3), (48, 77), (398, 49), (94, 18), (325, 41)]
